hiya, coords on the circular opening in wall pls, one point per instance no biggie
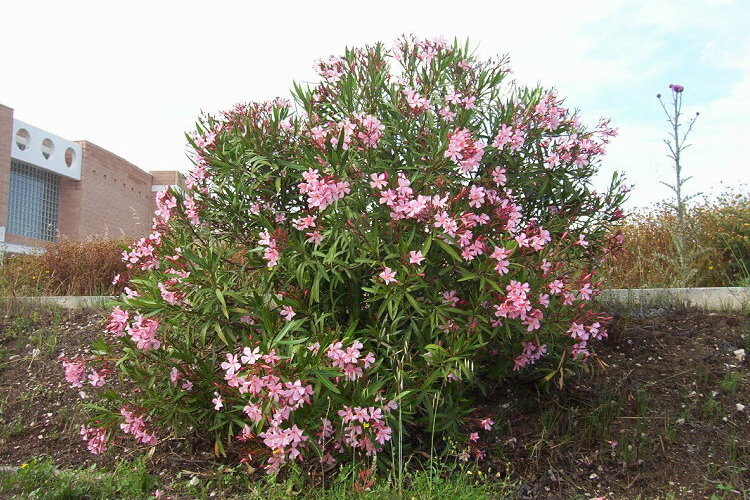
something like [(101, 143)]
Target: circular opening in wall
[(22, 139), (70, 157), (48, 148)]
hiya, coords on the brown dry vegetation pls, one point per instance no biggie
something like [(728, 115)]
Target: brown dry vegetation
[(716, 251), (64, 268)]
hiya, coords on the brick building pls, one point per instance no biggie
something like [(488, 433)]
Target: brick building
[(52, 188)]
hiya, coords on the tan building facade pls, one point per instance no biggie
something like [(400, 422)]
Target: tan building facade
[(52, 188)]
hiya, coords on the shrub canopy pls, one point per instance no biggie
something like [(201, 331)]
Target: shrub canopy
[(346, 268)]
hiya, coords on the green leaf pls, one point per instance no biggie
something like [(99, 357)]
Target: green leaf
[(324, 380), (220, 296), (220, 333), (450, 251)]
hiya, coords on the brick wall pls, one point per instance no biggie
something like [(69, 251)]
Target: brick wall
[(168, 178), (6, 136), (112, 199)]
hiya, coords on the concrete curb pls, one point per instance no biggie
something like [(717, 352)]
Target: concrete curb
[(709, 299), (63, 301)]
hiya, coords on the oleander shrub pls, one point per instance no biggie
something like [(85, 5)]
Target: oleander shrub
[(64, 268), (347, 269)]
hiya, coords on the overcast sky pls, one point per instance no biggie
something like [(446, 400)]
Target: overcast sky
[(133, 76)]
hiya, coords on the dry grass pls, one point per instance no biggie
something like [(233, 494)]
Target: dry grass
[(65, 268), (715, 249)]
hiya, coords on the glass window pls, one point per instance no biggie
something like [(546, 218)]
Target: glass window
[(33, 201)]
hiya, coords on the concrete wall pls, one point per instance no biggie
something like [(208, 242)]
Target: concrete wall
[(709, 299)]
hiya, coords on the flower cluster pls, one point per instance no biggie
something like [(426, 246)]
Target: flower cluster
[(320, 191), (118, 321), (350, 359), (143, 253), (96, 437), (75, 372), (464, 150), (136, 426), (532, 352), (271, 251), (143, 332), (364, 427)]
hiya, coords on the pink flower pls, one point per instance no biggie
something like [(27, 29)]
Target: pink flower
[(170, 297), (486, 423), (271, 358), (250, 356), (586, 291), (322, 192), (500, 254), (498, 176), (174, 375), (302, 223), (271, 253), (287, 313), (231, 365), (447, 114), (415, 257), (556, 287), (143, 333), (75, 372), (677, 89), (314, 237), (136, 425), (546, 266), (474, 436), (379, 181), (416, 102), (532, 352), (370, 130), (96, 378), (476, 196), (253, 412), (451, 297), (388, 275), (578, 332), (217, 401), (118, 320)]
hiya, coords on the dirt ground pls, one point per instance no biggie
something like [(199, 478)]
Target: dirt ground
[(667, 412)]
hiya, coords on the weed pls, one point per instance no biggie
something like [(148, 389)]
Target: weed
[(9, 430), (45, 340), (731, 382), (40, 480), (711, 409)]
